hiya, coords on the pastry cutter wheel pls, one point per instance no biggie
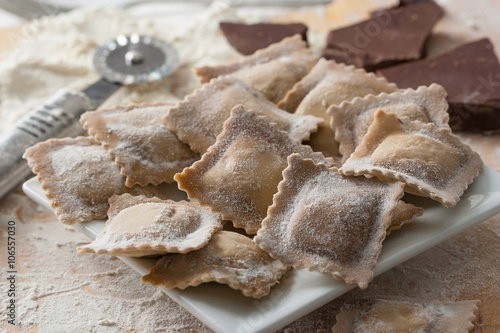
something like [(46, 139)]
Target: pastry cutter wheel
[(127, 60)]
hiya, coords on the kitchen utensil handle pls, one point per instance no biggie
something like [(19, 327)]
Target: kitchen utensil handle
[(57, 117)]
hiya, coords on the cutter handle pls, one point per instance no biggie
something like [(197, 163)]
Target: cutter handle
[(57, 117)]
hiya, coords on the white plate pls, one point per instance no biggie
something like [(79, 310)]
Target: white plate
[(228, 311)]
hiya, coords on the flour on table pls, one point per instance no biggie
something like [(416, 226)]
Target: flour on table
[(59, 286), (57, 52)]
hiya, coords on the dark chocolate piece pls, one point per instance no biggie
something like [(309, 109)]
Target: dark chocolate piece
[(470, 74), (398, 5), (410, 2), (248, 38), (389, 37)]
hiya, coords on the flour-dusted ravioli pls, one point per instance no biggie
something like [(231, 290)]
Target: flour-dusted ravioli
[(200, 117), (239, 174), (404, 213), (273, 71), (323, 221), (139, 226), (142, 146), (229, 258), (330, 83), (79, 176), (398, 314), (430, 160), (350, 120)]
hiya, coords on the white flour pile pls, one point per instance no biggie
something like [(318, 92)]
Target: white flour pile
[(57, 52)]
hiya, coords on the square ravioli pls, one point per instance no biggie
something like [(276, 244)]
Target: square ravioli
[(323, 221), (272, 71), (142, 146), (229, 258), (398, 314), (350, 120), (79, 176), (403, 214), (239, 174), (199, 118), (430, 160), (139, 226), (327, 84)]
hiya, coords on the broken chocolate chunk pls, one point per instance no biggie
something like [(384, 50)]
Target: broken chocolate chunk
[(401, 3), (410, 2), (248, 38), (389, 37), (470, 74)]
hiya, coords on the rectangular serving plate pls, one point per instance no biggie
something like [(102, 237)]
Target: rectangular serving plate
[(227, 311)]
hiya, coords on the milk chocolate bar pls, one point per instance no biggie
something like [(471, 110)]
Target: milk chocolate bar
[(248, 38), (470, 74), (389, 37)]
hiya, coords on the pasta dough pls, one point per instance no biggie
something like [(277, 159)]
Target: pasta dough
[(239, 174), (141, 226), (325, 222), (352, 119), (142, 146), (430, 160), (79, 176), (229, 258), (199, 118), (273, 71)]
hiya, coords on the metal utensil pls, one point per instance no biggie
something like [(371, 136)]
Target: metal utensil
[(126, 60)]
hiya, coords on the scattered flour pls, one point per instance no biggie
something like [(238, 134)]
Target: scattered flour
[(57, 52), (83, 293)]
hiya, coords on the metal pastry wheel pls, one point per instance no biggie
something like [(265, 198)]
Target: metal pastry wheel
[(135, 59), (126, 60)]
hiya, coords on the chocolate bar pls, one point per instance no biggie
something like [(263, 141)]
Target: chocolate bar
[(470, 74), (248, 38), (389, 37)]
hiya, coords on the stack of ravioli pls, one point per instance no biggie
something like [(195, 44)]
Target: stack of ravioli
[(288, 161)]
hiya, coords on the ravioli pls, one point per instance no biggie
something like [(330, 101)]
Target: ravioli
[(273, 71), (140, 226), (79, 177), (351, 120), (325, 222), (141, 145), (399, 314), (239, 174), (199, 118), (229, 258), (430, 160), (330, 83)]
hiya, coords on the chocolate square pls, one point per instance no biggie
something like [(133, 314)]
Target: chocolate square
[(248, 38), (389, 37), (470, 74)]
